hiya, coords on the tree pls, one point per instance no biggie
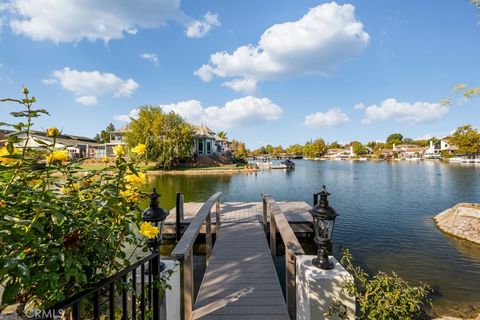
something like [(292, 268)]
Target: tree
[(167, 136), (277, 150), (467, 139), (104, 135), (315, 148), (395, 137), (239, 150), (295, 149), (222, 135), (358, 148), (335, 145)]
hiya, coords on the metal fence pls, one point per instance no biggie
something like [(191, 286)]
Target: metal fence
[(109, 299)]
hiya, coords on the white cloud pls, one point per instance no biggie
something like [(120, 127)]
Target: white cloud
[(152, 57), (318, 43), (126, 117), (200, 28), (75, 20), (49, 81), (247, 86), (86, 100), (359, 106), (404, 111), (87, 85), (332, 118), (246, 111)]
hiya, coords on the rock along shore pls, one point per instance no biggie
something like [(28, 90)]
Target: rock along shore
[(461, 221)]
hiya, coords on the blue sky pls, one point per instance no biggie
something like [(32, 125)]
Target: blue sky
[(278, 72)]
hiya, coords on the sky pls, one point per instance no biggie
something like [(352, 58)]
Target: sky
[(266, 72)]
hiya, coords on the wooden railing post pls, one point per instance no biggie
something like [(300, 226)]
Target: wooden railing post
[(188, 286), (273, 235), (217, 217), (208, 237), (264, 214), (290, 284), (178, 216)]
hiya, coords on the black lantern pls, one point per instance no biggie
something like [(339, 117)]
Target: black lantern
[(156, 216), (323, 223)]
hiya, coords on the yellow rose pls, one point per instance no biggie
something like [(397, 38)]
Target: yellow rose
[(4, 152), (118, 150), (34, 183), (139, 149), (3, 203), (105, 159), (53, 132), (130, 195), (57, 156), (148, 230), (136, 179)]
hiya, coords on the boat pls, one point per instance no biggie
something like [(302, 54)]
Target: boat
[(288, 164)]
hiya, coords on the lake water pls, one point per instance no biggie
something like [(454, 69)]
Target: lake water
[(386, 211)]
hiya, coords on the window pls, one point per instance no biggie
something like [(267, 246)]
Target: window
[(209, 147), (200, 147)]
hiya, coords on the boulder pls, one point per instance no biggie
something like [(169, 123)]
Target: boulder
[(461, 221)]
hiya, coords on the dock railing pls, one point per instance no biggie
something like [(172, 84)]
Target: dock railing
[(183, 251), (293, 248)]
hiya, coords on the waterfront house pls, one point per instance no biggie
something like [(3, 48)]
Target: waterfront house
[(223, 146), (438, 147), (117, 137), (339, 154), (77, 146), (204, 142)]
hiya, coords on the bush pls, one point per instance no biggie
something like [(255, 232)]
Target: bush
[(382, 296), (61, 230)]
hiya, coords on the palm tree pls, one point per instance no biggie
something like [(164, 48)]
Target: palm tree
[(222, 135)]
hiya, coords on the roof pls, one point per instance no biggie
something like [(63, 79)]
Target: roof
[(203, 131), (417, 149), (123, 129)]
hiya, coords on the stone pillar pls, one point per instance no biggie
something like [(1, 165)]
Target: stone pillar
[(317, 288), (170, 308)]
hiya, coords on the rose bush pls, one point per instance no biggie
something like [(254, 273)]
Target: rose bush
[(62, 229)]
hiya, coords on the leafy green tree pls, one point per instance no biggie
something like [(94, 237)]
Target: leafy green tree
[(334, 145), (295, 149), (395, 137), (467, 139), (239, 150), (277, 150), (358, 148), (104, 135), (167, 136), (222, 135), (382, 296), (315, 148)]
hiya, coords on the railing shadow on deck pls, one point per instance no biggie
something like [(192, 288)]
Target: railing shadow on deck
[(293, 248), (183, 251)]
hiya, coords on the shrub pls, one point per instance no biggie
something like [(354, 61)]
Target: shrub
[(382, 296), (61, 230)]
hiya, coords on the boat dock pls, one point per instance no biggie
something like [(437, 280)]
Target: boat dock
[(240, 281)]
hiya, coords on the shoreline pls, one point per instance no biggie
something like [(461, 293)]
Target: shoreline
[(200, 171)]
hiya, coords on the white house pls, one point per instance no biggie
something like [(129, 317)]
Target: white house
[(204, 143), (435, 149)]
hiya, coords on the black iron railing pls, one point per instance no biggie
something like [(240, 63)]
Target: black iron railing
[(102, 299)]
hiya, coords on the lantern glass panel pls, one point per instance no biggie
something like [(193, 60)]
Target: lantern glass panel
[(323, 230)]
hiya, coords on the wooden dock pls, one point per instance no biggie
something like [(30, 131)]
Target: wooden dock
[(296, 213), (240, 281)]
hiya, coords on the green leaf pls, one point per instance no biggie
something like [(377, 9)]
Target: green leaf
[(10, 148), (10, 293)]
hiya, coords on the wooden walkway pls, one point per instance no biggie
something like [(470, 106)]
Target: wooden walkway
[(240, 281)]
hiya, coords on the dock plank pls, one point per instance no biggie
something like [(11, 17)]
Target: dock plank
[(240, 281)]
